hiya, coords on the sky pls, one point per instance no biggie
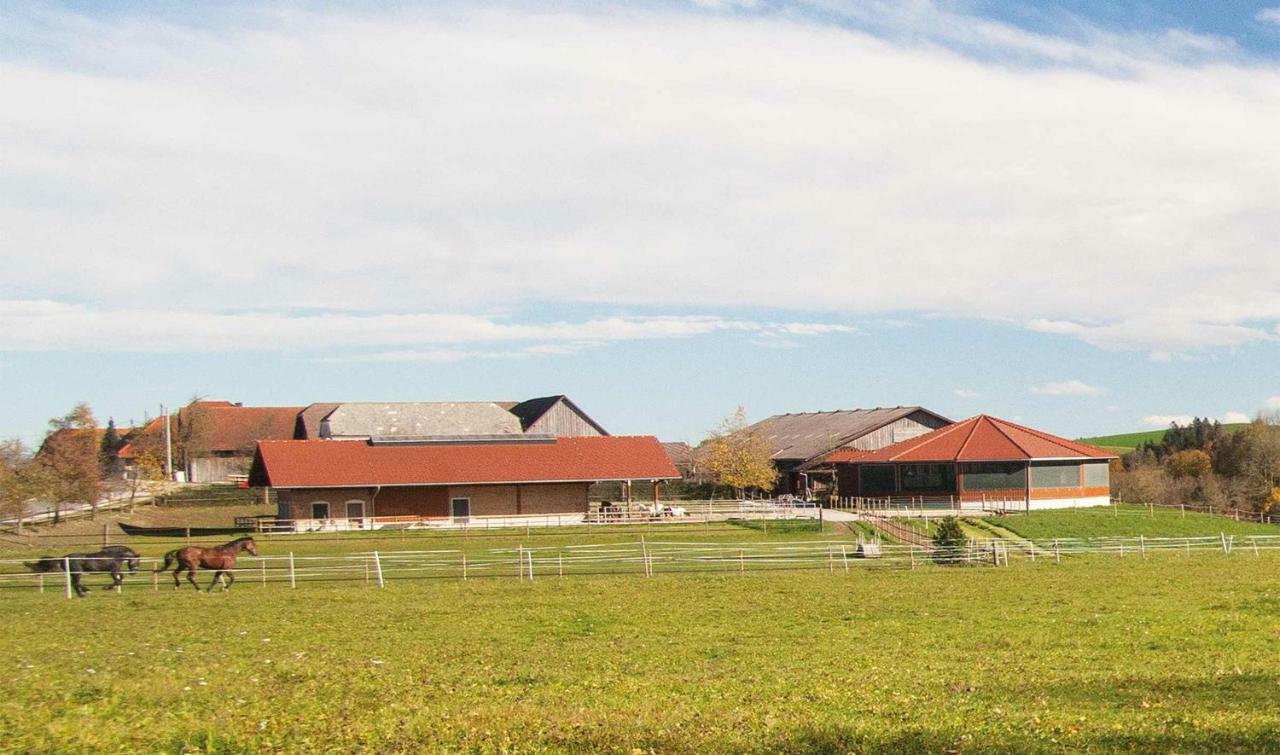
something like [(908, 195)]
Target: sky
[(1068, 218)]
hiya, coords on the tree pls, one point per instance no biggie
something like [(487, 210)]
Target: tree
[(739, 457), (949, 542), (1192, 463), (69, 460), (193, 433), (109, 448), (19, 480)]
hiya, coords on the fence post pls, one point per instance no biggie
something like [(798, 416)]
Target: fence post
[(742, 563), (831, 561), (377, 565), (1223, 535), (1142, 545), (1057, 557), (560, 564), (529, 557), (40, 580), (263, 563), (464, 566), (520, 562), (188, 534), (913, 555), (66, 568), (106, 540), (155, 581), (293, 578), (1254, 539), (844, 555)]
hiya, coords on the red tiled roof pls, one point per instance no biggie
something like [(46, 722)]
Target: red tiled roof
[(235, 428), (346, 463), (979, 438)]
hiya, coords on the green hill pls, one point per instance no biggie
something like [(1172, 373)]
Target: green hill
[(1123, 443)]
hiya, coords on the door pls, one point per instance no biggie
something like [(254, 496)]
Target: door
[(355, 514), (460, 510)]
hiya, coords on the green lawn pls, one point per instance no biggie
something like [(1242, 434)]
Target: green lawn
[(1094, 654), (1125, 521)]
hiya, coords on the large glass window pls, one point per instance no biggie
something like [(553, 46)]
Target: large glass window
[(995, 475), (1055, 475), (1097, 474), (876, 479), (929, 477)]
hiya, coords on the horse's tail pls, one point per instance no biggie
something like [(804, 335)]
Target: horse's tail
[(169, 559)]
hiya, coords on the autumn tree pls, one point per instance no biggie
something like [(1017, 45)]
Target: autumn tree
[(193, 434), (20, 480), (69, 459), (1192, 463), (740, 457)]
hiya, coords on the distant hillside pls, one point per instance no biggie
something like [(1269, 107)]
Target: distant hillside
[(1126, 442)]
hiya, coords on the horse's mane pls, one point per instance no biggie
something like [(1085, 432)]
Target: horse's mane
[(238, 540)]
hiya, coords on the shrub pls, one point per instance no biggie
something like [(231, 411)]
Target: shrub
[(949, 542)]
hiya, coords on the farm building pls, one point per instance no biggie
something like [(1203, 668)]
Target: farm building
[(214, 439), (551, 415), (980, 459), (450, 481), (807, 436)]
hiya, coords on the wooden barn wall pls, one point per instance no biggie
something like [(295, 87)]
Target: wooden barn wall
[(910, 426), (563, 422)]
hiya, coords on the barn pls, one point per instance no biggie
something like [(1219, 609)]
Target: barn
[(796, 439), (980, 459), (508, 481)]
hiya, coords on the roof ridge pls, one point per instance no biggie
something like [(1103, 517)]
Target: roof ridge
[(1065, 442), (921, 440), (973, 429), (995, 422)]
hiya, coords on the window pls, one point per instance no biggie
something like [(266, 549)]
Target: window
[(320, 510), (460, 509), (995, 475), (1055, 475), (876, 479), (1097, 475), (929, 477)]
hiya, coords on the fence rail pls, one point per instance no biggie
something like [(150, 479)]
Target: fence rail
[(651, 557)]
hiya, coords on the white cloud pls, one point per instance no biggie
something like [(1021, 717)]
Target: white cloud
[(966, 393), (671, 160), (1164, 420), (44, 325), (1272, 403), (1269, 16), (1232, 418), (1068, 388)]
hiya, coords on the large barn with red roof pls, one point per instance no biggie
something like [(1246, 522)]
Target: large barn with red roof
[(450, 480), (979, 459)]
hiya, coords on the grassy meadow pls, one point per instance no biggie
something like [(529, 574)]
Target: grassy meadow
[(1163, 654), (1173, 652)]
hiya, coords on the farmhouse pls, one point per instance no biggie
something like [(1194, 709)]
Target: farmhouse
[(980, 459), (451, 481), (216, 439), (807, 436)]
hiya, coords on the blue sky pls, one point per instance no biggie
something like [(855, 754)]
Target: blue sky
[(1065, 217)]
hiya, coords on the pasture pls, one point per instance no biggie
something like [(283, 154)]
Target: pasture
[(1157, 654)]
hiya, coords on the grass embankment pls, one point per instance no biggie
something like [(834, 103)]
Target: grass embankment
[(1123, 443), (1102, 654), (1124, 521)]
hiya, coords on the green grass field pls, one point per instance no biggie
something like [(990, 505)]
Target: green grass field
[(1125, 442), (1125, 521), (1093, 654)]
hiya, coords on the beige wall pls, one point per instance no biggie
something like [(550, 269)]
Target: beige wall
[(429, 501)]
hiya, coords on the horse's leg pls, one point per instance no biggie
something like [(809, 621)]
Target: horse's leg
[(176, 582), (217, 575), (231, 578), (191, 577), (75, 583), (117, 578)]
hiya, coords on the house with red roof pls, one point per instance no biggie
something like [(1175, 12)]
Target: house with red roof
[(977, 460), (324, 484)]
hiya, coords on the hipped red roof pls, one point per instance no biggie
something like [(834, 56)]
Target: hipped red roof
[(341, 463), (979, 438)]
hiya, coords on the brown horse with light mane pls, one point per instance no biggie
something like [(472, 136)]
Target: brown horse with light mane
[(221, 559)]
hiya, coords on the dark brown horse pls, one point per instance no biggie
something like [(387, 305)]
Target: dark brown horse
[(110, 559), (221, 559)]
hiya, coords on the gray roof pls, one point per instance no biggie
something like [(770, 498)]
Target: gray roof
[(802, 436), (419, 420), (307, 426)]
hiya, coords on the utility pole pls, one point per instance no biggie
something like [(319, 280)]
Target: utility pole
[(168, 445)]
